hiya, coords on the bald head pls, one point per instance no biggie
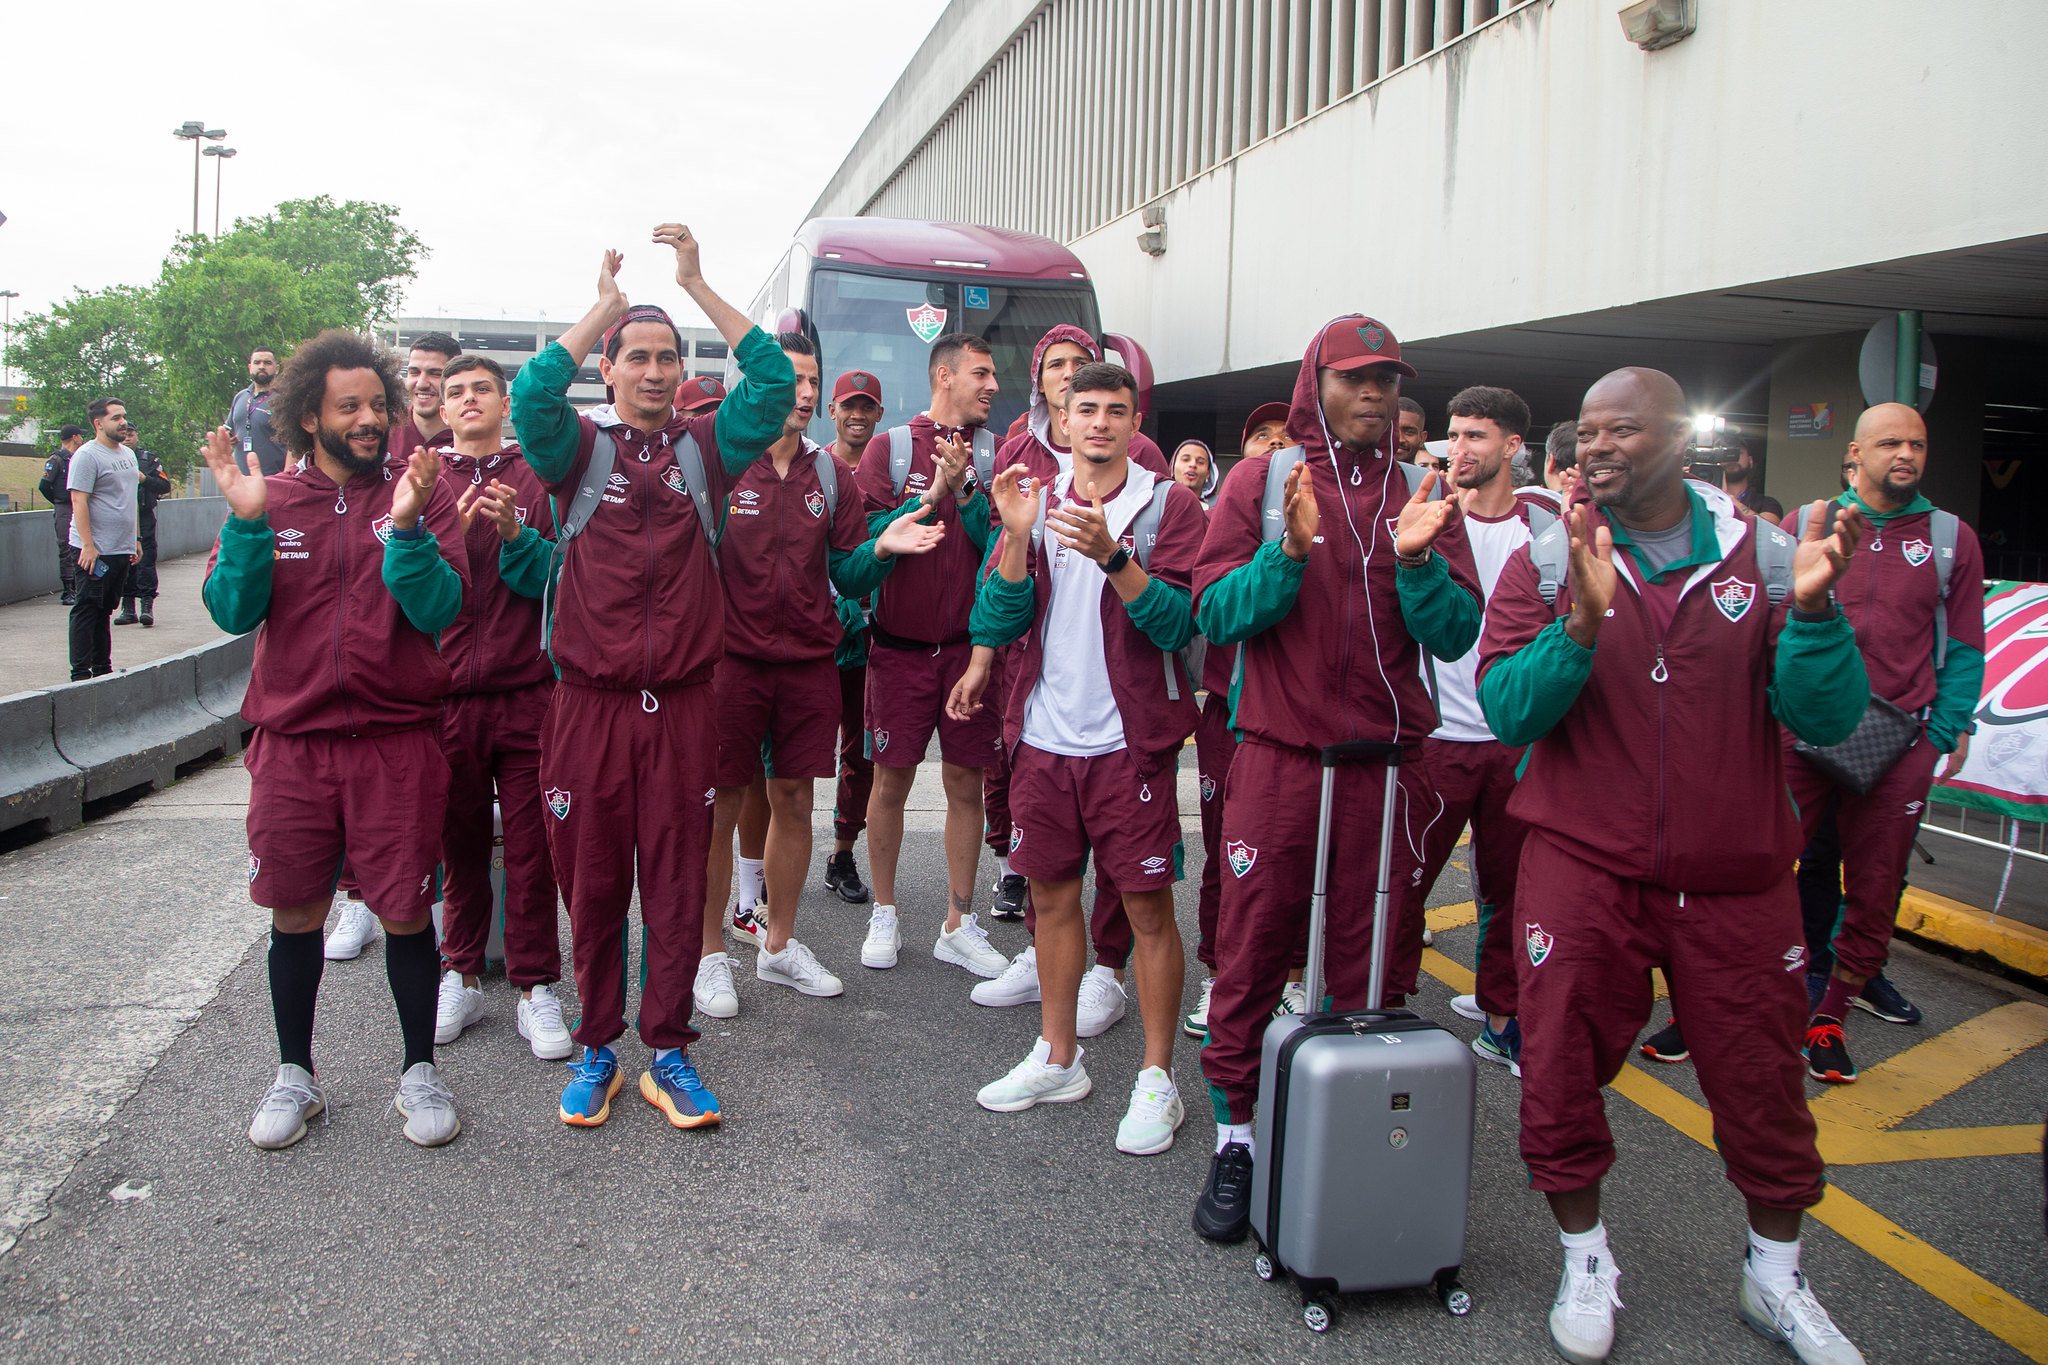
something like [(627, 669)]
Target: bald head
[(1633, 433), (1649, 391), (1890, 455)]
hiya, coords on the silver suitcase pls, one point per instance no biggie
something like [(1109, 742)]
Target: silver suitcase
[(1363, 1161)]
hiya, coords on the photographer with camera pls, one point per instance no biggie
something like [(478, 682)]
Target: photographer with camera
[(1724, 459)]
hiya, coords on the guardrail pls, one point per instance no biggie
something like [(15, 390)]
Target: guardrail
[(28, 542), (61, 747)]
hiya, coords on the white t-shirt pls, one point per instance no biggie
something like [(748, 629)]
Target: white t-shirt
[(1457, 682), (1071, 709)]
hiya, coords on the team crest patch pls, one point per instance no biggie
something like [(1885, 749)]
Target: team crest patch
[(1016, 838), (881, 740), (926, 321), (1241, 855), (706, 385), (816, 503), (1539, 945), (1733, 597), (1208, 789), (519, 515), (255, 863), (1916, 552), (558, 802), (382, 527), (1373, 337), (673, 477), (859, 381)]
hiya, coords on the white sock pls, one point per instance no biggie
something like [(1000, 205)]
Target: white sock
[(1587, 1250), (1003, 864), (747, 881), (1240, 1133), (1775, 1264), (662, 1054)]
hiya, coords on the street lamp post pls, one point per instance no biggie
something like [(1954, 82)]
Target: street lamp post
[(193, 131), (220, 155), (7, 298)]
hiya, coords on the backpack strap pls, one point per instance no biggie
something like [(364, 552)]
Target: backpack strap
[(604, 454), (828, 480), (984, 458), (690, 459), (1145, 527), (1273, 504), (1774, 552), (1944, 527), (1550, 551), (899, 459)]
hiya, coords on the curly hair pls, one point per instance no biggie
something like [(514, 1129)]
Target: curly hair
[(302, 387)]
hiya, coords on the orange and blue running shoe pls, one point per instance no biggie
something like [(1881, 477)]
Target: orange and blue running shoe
[(594, 1079), (1827, 1055), (673, 1087)]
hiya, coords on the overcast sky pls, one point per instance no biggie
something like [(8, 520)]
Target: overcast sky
[(517, 138)]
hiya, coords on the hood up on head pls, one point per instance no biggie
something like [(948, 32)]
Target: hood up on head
[(1039, 414), (1357, 340), (1215, 475)]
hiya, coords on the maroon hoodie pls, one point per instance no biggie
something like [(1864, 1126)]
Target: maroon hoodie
[(1889, 592), (405, 438), (1155, 723), (776, 558), (1341, 665), (336, 654), (928, 597), (494, 646), (1030, 438)]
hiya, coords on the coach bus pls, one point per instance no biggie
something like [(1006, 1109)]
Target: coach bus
[(874, 293)]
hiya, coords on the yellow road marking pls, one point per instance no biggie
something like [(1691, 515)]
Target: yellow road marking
[(1452, 916), (1897, 1088), (1840, 1146)]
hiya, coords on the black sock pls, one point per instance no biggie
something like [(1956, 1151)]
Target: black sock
[(295, 966), (412, 964)]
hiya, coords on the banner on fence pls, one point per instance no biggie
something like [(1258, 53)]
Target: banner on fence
[(2007, 771)]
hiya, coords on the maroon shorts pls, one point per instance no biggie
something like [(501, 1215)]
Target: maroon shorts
[(1063, 808), (907, 690), (794, 707), (377, 801)]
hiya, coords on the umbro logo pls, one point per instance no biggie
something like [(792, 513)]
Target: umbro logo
[(618, 480), (748, 495), (290, 536), (1154, 865)]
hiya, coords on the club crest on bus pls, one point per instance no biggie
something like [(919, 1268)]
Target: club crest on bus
[(926, 321)]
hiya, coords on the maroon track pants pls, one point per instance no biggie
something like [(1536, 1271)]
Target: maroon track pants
[(1269, 845), (995, 778), (1215, 747), (1737, 968), (856, 767), (1877, 832), (626, 778), (492, 741), (1474, 782)]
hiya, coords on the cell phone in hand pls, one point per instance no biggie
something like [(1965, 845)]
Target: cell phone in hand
[(99, 568)]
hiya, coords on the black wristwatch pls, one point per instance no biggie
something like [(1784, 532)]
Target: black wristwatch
[(1115, 563)]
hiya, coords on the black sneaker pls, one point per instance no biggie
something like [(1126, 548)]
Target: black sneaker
[(1224, 1212), (1881, 998), (1827, 1055), (1667, 1045), (1009, 901), (843, 879)]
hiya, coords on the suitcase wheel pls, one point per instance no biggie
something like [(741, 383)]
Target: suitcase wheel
[(1457, 1302), (1317, 1314), (1263, 1267)]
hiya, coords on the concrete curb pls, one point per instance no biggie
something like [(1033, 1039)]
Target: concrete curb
[(2020, 947)]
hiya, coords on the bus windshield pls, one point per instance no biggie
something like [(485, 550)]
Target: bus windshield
[(885, 325)]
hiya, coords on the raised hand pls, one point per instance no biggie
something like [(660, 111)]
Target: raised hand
[(1592, 575), (909, 535), (497, 503), (409, 499), (465, 507), (611, 300), (1820, 561), (247, 494), (1423, 520), (952, 459), (677, 236), (1302, 516), (1083, 528), (1015, 504)]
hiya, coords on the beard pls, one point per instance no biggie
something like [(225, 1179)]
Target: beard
[(1902, 486), (334, 444)]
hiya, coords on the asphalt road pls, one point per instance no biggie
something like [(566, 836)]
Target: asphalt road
[(856, 1206)]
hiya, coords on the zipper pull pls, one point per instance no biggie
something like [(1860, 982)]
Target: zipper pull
[(1660, 673), (1877, 546), (341, 501), (1356, 476)]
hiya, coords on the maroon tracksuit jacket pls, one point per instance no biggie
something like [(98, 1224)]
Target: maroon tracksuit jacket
[(776, 558), (928, 598)]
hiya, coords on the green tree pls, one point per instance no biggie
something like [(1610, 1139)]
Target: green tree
[(98, 345)]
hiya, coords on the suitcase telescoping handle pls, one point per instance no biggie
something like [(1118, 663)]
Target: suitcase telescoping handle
[(1312, 977)]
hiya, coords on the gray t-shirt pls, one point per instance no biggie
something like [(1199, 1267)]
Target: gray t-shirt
[(1664, 548), (108, 478), (249, 420)]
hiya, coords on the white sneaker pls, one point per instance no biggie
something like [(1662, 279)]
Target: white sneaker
[(1582, 1316), (1018, 985), (428, 1107), (796, 966), (1428, 937), (879, 949), (354, 931), (749, 925), (1156, 1111), (1196, 1025), (716, 995), (457, 1008), (1102, 1003), (540, 1023), (1036, 1081), (281, 1116), (1293, 1000), (968, 947), (1468, 1006), (1792, 1315)]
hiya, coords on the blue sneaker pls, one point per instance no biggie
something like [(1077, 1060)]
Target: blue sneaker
[(675, 1089), (1881, 998), (1504, 1047), (587, 1099)]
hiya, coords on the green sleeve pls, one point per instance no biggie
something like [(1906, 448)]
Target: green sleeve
[(1819, 688), (1253, 597), (975, 519), (1165, 613), (1525, 694), (857, 572), (1002, 611), (751, 417), (1441, 616), (237, 592), (853, 640), (1958, 684), (879, 522), (542, 416), (425, 586), (523, 563)]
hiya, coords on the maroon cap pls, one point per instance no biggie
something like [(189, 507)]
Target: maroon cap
[(1355, 342), (1262, 414), (856, 384), (639, 312), (695, 395)]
